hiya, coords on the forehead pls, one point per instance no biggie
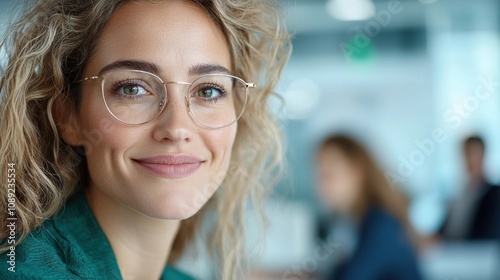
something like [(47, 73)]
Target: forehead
[(172, 34), (329, 154), (474, 147)]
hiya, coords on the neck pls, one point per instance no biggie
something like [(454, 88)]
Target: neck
[(138, 241), (475, 179)]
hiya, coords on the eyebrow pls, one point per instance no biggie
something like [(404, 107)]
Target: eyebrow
[(202, 69), (199, 69), (131, 64)]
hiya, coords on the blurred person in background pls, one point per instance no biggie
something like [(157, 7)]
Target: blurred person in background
[(351, 184), (475, 214)]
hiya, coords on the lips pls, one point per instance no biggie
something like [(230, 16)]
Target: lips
[(170, 167)]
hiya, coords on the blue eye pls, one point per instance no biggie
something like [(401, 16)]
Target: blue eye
[(132, 90), (209, 92)]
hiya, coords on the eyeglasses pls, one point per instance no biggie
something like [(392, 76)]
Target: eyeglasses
[(137, 97)]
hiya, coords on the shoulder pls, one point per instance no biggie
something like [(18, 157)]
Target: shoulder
[(492, 191), (70, 245), (489, 206), (384, 249), (42, 255), (381, 224), (382, 231), (491, 196)]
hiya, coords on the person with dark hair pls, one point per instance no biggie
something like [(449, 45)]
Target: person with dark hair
[(475, 214), (351, 183)]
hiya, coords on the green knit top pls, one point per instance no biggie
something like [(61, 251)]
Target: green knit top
[(71, 245)]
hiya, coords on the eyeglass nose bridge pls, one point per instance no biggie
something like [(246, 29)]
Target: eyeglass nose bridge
[(186, 97)]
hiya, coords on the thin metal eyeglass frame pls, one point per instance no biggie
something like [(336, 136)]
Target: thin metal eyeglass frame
[(186, 96)]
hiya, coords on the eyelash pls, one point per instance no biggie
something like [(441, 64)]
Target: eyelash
[(116, 87), (223, 92)]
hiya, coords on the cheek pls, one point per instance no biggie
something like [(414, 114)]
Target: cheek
[(327, 188), (339, 187), (100, 130), (105, 140), (347, 184), (220, 143)]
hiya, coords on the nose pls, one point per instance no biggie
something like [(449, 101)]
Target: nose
[(174, 123)]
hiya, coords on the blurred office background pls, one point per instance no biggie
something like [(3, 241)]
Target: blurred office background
[(403, 78), (394, 74)]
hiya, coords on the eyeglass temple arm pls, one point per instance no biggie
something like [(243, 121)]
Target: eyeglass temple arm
[(250, 85), (87, 79)]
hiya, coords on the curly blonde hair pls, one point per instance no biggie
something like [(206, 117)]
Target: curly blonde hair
[(46, 52)]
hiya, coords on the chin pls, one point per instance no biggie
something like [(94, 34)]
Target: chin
[(176, 206)]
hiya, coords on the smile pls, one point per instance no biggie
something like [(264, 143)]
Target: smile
[(170, 167)]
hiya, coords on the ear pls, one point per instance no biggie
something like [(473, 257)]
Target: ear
[(66, 120)]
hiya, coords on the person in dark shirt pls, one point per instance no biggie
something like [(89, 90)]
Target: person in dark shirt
[(351, 183), (475, 214)]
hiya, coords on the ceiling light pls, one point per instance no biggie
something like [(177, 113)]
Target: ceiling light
[(350, 10)]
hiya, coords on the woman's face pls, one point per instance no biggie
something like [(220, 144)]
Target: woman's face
[(169, 167), (339, 180)]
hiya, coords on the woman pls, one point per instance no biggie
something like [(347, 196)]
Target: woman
[(351, 183), (131, 114)]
